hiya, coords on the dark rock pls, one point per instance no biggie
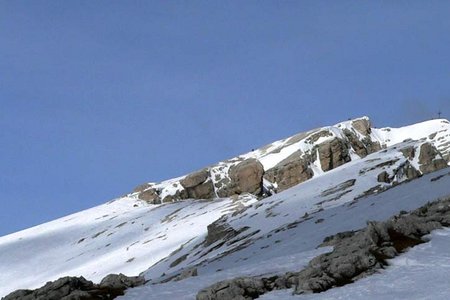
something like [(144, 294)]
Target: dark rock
[(235, 289), (78, 288), (120, 281), (408, 152), (219, 230), (383, 177)]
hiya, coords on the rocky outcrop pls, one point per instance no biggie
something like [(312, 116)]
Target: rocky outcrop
[(150, 195), (219, 230), (383, 177), (246, 177), (333, 153), (330, 147), (362, 125), (356, 254), (364, 146), (235, 289), (78, 288), (409, 152), (291, 171), (430, 159), (198, 185), (405, 170)]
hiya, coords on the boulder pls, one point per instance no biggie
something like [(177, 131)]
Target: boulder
[(120, 281), (246, 177), (289, 172), (150, 195), (333, 153), (198, 185), (195, 178), (234, 289)]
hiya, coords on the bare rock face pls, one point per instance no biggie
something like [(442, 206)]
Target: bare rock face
[(430, 159), (246, 177), (198, 185), (333, 154), (289, 172), (363, 126), (362, 147)]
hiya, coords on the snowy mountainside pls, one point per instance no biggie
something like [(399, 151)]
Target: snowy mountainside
[(275, 203)]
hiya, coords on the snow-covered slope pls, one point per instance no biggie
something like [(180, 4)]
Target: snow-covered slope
[(245, 231)]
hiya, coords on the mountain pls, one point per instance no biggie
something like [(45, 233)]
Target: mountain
[(263, 213)]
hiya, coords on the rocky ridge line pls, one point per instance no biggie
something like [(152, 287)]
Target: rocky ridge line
[(317, 151), (78, 288)]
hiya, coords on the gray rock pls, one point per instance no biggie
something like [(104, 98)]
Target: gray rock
[(121, 281), (219, 230), (408, 152), (78, 288), (236, 289), (383, 177)]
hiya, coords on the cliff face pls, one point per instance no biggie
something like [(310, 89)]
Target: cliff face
[(288, 162)]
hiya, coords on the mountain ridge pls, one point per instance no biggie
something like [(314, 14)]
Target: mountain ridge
[(184, 240)]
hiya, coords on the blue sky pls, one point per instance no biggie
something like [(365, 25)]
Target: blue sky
[(97, 97)]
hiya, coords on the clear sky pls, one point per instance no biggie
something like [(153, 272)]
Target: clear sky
[(97, 97)]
